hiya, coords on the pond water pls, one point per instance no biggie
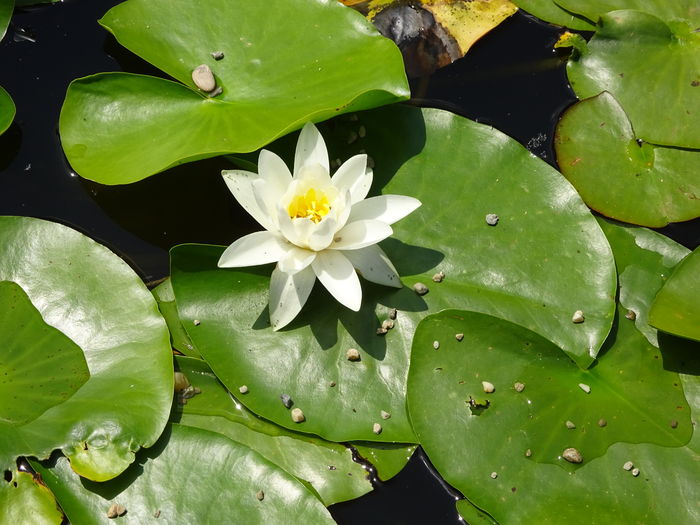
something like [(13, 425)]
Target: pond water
[(512, 79)]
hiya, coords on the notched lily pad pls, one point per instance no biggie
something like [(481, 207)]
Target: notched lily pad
[(676, 308), (551, 11), (24, 498), (93, 298), (620, 176), (7, 110), (39, 366), (118, 128)]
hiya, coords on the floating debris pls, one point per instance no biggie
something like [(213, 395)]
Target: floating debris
[(572, 455), (436, 344), (628, 465), (420, 289), (377, 428), (362, 132), (585, 388), (331, 384), (488, 387), (115, 510), (297, 415), (602, 422), (439, 277), (217, 55), (494, 475), (393, 312), (203, 78), (156, 514), (635, 472), (382, 331), (218, 91), (196, 322), (519, 387), (492, 219), (578, 317), (570, 425), (385, 415), (387, 324), (243, 389), (286, 400), (631, 315), (674, 423), (353, 354), (528, 453), (332, 467), (260, 495), (459, 337)]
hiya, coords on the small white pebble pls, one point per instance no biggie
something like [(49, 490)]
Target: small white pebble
[(420, 288), (578, 317), (572, 455), (297, 415), (628, 465), (377, 428), (570, 425), (494, 475), (203, 78), (528, 453), (488, 387), (260, 495), (439, 277), (217, 55), (635, 472), (492, 219), (585, 388), (385, 415), (197, 322), (519, 387), (388, 324), (459, 337), (243, 389), (436, 344), (353, 354)]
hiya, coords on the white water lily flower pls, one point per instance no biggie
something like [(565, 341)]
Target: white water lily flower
[(316, 226)]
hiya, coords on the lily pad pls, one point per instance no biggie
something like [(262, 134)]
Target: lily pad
[(82, 289), (467, 448), (39, 367), (189, 476), (25, 499), (550, 11), (326, 468), (6, 8), (118, 128), (472, 168), (669, 11), (676, 309), (163, 294), (640, 59), (620, 177), (7, 110)]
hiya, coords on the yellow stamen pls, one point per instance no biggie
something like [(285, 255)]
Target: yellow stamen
[(311, 205)]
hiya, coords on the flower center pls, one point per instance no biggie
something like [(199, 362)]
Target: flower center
[(312, 205)]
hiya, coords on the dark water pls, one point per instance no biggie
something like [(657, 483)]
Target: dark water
[(512, 79)]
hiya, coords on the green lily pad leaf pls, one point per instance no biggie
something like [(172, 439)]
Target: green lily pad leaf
[(388, 459), (326, 468), (39, 367), (676, 309), (83, 290), (620, 177), (668, 11), (163, 294), (25, 499), (6, 8), (120, 128), (474, 169), (7, 110), (187, 475), (466, 449), (644, 260), (632, 399), (640, 59), (550, 11)]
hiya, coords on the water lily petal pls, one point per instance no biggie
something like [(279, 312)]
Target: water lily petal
[(295, 260), (341, 209), (353, 176), (374, 265), (385, 208), (275, 173), (288, 294), (287, 228), (254, 249), (321, 235), (240, 183), (337, 274), (359, 234), (310, 149)]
